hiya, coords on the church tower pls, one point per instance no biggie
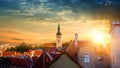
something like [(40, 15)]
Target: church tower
[(58, 41)]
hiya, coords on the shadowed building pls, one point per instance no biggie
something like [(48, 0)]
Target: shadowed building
[(115, 44), (88, 54), (64, 61)]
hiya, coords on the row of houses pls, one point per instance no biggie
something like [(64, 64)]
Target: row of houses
[(79, 54), (46, 59)]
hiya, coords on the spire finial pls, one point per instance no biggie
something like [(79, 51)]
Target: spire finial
[(58, 31)]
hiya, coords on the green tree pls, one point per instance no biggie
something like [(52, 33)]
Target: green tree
[(23, 47), (65, 44)]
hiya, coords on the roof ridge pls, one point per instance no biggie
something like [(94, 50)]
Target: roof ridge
[(68, 56), (69, 46), (51, 58)]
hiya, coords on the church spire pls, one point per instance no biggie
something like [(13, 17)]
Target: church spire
[(58, 38), (58, 31)]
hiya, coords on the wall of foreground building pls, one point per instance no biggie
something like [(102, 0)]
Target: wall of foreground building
[(115, 44)]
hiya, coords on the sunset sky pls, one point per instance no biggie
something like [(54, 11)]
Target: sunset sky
[(35, 21)]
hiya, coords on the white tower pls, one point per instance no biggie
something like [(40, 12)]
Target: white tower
[(58, 41)]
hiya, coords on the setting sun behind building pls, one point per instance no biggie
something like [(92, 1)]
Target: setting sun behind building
[(99, 37)]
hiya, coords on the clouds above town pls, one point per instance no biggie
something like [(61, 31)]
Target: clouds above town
[(60, 9), (40, 17)]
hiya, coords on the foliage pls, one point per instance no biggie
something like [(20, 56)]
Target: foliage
[(65, 44), (23, 47)]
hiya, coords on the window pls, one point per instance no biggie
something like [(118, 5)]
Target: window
[(87, 58), (100, 58)]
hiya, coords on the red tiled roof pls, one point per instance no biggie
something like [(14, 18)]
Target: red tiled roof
[(43, 61), (72, 50), (19, 62), (34, 59), (49, 44), (10, 53), (23, 63), (38, 52)]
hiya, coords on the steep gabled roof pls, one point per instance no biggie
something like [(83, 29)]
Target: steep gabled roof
[(64, 61), (19, 62), (72, 50)]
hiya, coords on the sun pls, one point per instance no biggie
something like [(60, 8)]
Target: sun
[(98, 37)]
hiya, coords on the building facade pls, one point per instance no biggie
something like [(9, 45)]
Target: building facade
[(115, 44), (88, 54)]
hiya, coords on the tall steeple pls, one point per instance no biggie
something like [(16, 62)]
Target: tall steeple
[(58, 31), (58, 38)]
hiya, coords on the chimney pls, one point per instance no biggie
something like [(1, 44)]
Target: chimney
[(76, 40)]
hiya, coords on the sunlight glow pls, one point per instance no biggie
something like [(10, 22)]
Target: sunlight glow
[(98, 37)]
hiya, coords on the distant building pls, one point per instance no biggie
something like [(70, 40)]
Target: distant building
[(49, 45), (88, 55), (2, 49), (12, 54), (1, 52), (58, 41), (115, 44)]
